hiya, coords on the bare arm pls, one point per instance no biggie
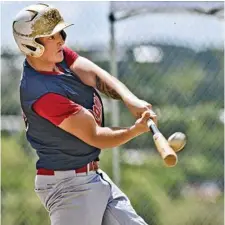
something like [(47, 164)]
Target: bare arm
[(94, 76), (84, 126)]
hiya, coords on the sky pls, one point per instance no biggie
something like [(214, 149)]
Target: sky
[(91, 27)]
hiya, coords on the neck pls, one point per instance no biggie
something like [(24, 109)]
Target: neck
[(41, 65)]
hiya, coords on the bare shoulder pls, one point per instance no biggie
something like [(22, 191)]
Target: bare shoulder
[(86, 70), (94, 76)]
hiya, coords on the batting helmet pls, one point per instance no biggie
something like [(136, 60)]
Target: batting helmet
[(32, 22)]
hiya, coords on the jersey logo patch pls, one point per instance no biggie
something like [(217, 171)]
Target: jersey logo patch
[(97, 110)]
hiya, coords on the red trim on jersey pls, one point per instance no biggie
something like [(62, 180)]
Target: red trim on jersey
[(51, 72), (55, 107), (70, 56)]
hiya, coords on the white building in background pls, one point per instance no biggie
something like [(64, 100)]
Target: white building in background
[(206, 191), (12, 123)]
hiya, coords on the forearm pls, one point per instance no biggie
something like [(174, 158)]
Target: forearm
[(109, 137), (83, 126), (112, 87)]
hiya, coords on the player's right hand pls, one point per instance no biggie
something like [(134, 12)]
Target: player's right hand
[(141, 123)]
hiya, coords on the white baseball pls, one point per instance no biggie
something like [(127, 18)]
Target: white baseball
[(177, 141)]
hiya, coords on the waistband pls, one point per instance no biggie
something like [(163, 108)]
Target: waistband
[(92, 166)]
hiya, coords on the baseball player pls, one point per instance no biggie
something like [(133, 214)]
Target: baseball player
[(64, 118)]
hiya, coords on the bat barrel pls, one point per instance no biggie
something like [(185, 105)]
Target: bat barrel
[(170, 160), (166, 152), (162, 145)]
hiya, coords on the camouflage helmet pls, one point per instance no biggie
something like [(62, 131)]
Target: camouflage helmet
[(34, 21)]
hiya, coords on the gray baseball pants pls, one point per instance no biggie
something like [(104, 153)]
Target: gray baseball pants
[(84, 199)]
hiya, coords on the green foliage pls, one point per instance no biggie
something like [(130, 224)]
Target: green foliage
[(20, 205), (155, 191)]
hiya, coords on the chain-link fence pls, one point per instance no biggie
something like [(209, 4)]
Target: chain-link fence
[(185, 88)]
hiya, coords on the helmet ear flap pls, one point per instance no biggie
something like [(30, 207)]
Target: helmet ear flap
[(63, 34), (36, 48), (32, 48)]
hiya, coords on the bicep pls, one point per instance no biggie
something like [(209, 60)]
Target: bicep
[(67, 115), (92, 75), (81, 125)]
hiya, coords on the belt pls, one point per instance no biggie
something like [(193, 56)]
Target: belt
[(92, 166)]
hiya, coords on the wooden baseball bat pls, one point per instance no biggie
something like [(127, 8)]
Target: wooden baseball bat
[(167, 153)]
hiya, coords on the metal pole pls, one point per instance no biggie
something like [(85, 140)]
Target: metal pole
[(114, 105)]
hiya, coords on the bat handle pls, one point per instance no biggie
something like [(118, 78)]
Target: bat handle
[(153, 128)]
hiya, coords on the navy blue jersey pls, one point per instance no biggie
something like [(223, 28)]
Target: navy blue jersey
[(56, 148)]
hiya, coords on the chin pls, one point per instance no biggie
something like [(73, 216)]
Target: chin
[(59, 59)]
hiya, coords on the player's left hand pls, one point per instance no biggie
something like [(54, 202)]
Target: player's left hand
[(138, 106)]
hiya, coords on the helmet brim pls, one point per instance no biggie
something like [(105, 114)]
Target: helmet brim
[(59, 27)]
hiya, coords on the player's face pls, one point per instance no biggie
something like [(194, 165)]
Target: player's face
[(53, 48)]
